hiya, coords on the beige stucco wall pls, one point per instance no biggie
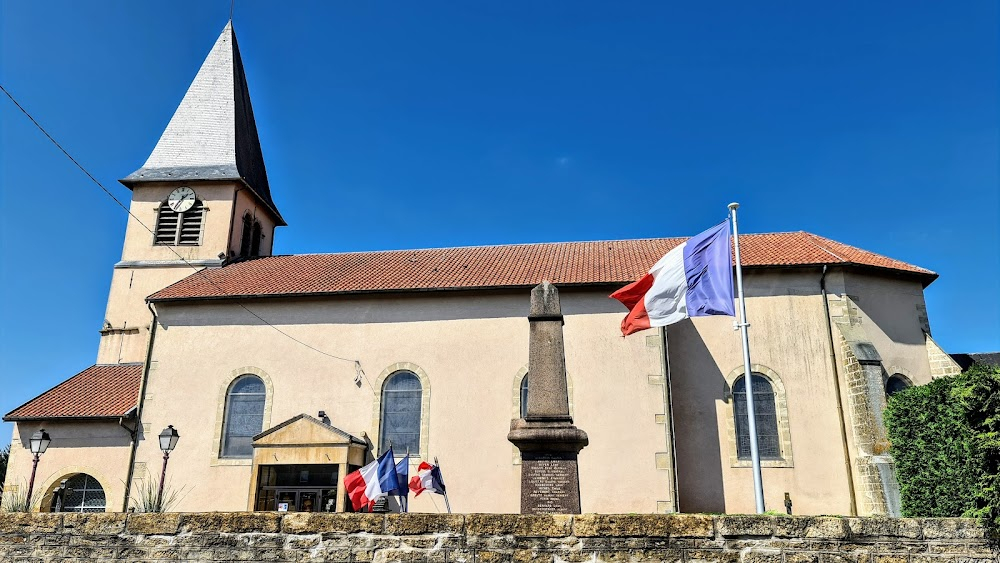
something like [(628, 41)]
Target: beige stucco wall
[(470, 348), (100, 449)]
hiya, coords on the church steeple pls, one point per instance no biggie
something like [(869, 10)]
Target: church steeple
[(212, 135)]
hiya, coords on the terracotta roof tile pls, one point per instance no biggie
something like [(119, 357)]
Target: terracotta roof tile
[(101, 391), (516, 265)]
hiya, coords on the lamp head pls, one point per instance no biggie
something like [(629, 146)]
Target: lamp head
[(39, 442), (168, 439)]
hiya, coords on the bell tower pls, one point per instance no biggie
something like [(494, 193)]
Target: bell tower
[(201, 200)]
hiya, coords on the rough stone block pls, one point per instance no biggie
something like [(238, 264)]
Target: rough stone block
[(828, 527), (760, 556), (539, 525), (691, 525), (27, 523), (230, 522), (153, 524), (712, 556), (399, 556), (617, 525), (801, 557), (320, 522), (736, 525), (882, 527), (410, 524), (953, 528), (107, 524)]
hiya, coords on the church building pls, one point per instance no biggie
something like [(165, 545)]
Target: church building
[(281, 374)]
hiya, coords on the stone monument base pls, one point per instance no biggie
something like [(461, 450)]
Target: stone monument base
[(550, 477)]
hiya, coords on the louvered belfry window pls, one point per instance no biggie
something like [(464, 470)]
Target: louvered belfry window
[(183, 228)]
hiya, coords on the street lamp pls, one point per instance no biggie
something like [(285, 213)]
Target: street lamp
[(168, 440), (39, 442)]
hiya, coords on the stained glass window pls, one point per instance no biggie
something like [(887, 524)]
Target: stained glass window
[(768, 441), (244, 416), (401, 403)]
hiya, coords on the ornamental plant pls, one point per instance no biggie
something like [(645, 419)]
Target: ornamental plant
[(945, 440)]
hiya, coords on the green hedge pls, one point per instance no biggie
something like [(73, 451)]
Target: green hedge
[(946, 443)]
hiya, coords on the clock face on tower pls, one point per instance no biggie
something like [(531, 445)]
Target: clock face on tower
[(181, 199)]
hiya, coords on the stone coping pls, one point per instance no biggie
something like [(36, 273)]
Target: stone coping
[(697, 526)]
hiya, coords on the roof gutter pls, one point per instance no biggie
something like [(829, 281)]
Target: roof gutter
[(138, 409)]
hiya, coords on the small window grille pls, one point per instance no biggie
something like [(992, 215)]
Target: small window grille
[(183, 228)]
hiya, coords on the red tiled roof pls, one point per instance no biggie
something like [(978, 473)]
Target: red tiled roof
[(516, 265), (101, 391)]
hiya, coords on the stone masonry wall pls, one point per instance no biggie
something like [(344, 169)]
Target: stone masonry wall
[(489, 538)]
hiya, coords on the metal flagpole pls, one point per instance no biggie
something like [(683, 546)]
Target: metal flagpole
[(446, 503), (758, 487)]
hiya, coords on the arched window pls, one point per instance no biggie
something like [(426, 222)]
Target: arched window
[(246, 236), (896, 383), (524, 395), (255, 237), (180, 227), (400, 420), (768, 440), (244, 416), (83, 494)]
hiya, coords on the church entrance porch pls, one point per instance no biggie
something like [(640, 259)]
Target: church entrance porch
[(298, 488), (299, 466)]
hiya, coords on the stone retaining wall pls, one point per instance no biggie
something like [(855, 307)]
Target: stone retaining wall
[(489, 538)]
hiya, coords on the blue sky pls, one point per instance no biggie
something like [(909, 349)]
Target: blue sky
[(416, 124)]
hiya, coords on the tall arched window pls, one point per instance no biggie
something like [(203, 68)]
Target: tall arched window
[(180, 228), (244, 416), (400, 419), (524, 395), (768, 440), (83, 494)]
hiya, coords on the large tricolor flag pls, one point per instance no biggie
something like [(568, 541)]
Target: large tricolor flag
[(694, 279), (377, 479)]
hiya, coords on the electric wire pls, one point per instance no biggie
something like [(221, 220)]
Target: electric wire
[(359, 372)]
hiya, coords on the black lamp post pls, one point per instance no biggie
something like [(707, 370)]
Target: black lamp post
[(39, 442), (168, 439)]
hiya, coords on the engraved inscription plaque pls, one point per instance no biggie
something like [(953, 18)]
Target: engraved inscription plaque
[(549, 483)]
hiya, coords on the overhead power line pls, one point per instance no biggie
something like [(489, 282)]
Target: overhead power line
[(359, 372)]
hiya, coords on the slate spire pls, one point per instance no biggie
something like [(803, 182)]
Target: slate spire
[(212, 135)]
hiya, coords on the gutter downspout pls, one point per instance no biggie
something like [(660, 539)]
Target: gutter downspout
[(840, 402), (668, 402), (138, 414)]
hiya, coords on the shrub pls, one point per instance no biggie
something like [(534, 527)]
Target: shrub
[(945, 440)]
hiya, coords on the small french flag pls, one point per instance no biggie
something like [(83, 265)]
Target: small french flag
[(428, 478), (695, 279), (377, 479)]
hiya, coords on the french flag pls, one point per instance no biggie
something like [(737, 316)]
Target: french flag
[(377, 479), (428, 478), (694, 279)]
